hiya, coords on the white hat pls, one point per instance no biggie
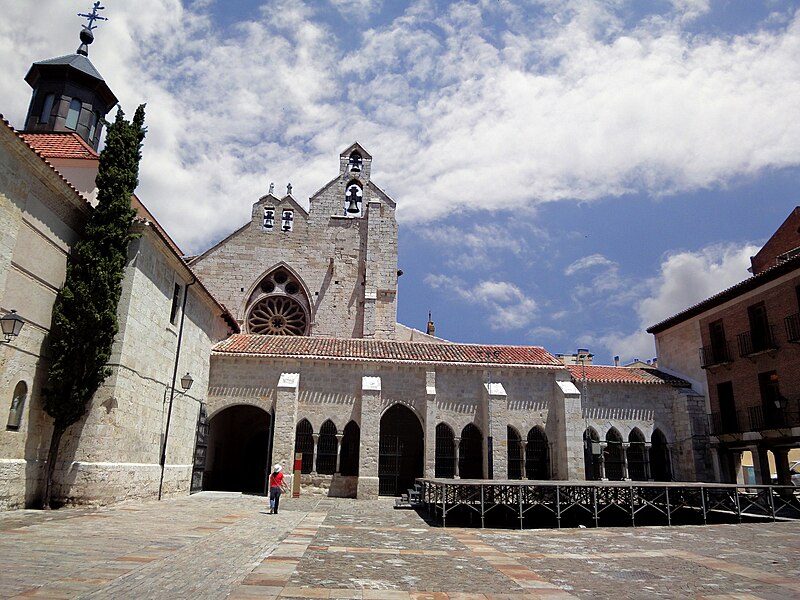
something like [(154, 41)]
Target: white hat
[(277, 468)]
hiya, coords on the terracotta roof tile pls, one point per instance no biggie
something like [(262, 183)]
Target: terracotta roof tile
[(385, 351), (60, 145), (603, 374)]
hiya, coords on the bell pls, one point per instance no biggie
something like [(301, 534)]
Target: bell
[(352, 205), (287, 221), (269, 219)]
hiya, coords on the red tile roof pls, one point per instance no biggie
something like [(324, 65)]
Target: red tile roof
[(60, 145), (602, 374), (385, 351)]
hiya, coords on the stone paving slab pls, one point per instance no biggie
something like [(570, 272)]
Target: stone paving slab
[(219, 546)]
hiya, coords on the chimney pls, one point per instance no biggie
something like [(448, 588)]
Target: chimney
[(655, 362), (431, 327), (616, 361)]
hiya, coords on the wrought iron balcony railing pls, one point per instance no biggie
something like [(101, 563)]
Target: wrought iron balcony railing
[(727, 422), (792, 323), (761, 418), (755, 341), (715, 355)]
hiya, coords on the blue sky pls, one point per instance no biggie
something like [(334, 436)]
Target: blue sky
[(567, 172)]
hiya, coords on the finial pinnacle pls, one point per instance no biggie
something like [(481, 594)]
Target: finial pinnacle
[(93, 16)]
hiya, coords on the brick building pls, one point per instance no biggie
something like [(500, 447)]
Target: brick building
[(746, 359)]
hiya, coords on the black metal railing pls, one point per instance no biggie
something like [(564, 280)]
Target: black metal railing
[(716, 354), (727, 422), (754, 341), (763, 417), (792, 323)]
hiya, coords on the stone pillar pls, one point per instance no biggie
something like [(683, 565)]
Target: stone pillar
[(602, 461), (735, 465), (495, 416), (524, 452), (782, 465), (715, 461), (315, 438), (567, 461), (286, 422), (457, 443), (625, 472), (761, 465), (430, 424), (648, 474), (370, 437), (339, 436)]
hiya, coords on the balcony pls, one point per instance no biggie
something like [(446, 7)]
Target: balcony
[(714, 355), (792, 323), (773, 418), (727, 422), (756, 341)]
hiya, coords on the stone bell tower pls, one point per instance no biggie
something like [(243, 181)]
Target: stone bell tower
[(68, 92)]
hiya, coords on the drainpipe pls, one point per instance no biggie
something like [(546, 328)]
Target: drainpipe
[(172, 388)]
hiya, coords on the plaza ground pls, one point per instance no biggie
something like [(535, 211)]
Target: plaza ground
[(214, 545)]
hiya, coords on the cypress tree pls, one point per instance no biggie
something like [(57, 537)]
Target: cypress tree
[(85, 312)]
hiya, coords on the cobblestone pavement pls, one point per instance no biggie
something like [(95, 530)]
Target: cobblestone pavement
[(226, 546)]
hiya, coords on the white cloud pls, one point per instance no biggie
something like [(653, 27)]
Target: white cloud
[(480, 247), (587, 262), (509, 307), (359, 10), (685, 278), (563, 102)]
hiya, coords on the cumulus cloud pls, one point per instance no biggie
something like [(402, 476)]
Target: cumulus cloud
[(463, 106), (510, 308), (685, 278)]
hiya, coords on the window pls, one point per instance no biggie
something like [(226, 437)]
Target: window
[(727, 408), (17, 406), (771, 399), (73, 114), (719, 347), (269, 218), (176, 296), (47, 108), (759, 327), (92, 125), (287, 220)]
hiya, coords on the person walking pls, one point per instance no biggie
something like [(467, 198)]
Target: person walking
[(276, 487)]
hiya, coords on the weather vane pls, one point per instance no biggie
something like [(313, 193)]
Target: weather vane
[(93, 16)]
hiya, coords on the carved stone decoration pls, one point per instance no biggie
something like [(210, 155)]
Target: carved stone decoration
[(277, 315)]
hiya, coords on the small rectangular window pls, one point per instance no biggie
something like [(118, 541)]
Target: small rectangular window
[(73, 114), (47, 108), (176, 296)]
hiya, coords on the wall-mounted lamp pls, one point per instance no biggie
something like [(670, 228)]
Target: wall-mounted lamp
[(12, 325), (186, 382)]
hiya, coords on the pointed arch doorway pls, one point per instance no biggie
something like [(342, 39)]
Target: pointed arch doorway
[(400, 451), (239, 449)]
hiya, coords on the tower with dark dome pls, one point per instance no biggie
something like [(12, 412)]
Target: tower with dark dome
[(69, 94)]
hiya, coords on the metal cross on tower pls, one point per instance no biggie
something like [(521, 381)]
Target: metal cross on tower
[(93, 16)]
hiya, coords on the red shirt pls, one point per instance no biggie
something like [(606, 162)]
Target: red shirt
[(276, 479)]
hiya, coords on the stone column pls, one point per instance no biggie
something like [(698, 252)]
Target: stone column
[(370, 437), (782, 465), (567, 461), (495, 416), (457, 442), (524, 452), (602, 461), (715, 462), (286, 422), (430, 424), (648, 474), (339, 436), (625, 472), (734, 463), (315, 438), (761, 465)]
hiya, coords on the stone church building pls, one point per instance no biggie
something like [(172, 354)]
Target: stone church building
[(288, 329)]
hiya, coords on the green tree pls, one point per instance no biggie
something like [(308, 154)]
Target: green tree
[(85, 311)]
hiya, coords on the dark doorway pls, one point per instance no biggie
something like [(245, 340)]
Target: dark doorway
[(239, 448), (637, 456), (351, 441), (537, 461), (445, 465), (591, 455), (470, 453), (400, 451), (613, 457), (514, 453), (659, 457)]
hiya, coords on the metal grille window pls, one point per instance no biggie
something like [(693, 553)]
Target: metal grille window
[(537, 460), (470, 453), (351, 440), (514, 454), (445, 451), (327, 449), (637, 456), (612, 456), (304, 443)]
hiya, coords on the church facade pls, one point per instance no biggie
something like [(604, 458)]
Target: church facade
[(288, 330)]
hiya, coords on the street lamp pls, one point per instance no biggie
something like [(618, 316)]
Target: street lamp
[(186, 383), (11, 325)]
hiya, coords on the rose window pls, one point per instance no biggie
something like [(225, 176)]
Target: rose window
[(278, 306)]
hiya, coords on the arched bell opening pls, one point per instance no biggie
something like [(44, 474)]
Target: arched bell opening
[(470, 453), (401, 451), (239, 448), (353, 199)]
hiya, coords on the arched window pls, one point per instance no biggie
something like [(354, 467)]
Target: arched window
[(73, 114), (355, 162), (612, 456), (351, 440), (278, 306), (327, 449), (637, 456), (353, 198), (591, 454), (17, 406), (304, 444), (514, 453), (660, 469), (445, 465), (47, 108), (470, 453), (537, 459)]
